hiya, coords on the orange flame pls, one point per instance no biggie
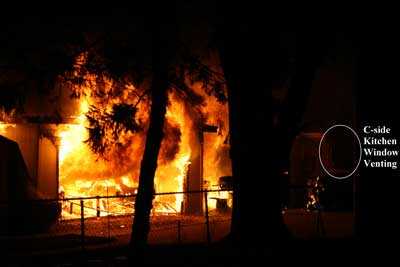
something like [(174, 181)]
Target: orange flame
[(84, 174)]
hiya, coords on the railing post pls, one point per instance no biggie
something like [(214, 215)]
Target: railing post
[(320, 224), (82, 225), (207, 218), (97, 206)]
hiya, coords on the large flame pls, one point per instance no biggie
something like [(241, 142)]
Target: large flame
[(5, 126), (82, 173)]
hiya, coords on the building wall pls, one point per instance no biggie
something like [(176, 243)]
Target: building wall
[(27, 137), (47, 184), (40, 156)]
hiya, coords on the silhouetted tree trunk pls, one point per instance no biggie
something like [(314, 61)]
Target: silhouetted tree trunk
[(143, 203), (259, 150), (248, 64), (163, 49)]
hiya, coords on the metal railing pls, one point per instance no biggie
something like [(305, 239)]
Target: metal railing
[(104, 227)]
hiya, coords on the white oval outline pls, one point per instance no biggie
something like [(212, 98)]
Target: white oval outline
[(319, 151)]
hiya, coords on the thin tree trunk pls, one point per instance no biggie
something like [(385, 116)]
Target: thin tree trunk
[(163, 33), (144, 198)]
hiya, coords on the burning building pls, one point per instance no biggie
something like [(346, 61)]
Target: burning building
[(55, 139)]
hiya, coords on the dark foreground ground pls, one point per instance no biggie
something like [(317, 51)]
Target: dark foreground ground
[(106, 242), (312, 253)]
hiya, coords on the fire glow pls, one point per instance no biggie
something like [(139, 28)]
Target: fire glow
[(82, 173)]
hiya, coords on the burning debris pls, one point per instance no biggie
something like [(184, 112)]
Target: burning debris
[(314, 189)]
